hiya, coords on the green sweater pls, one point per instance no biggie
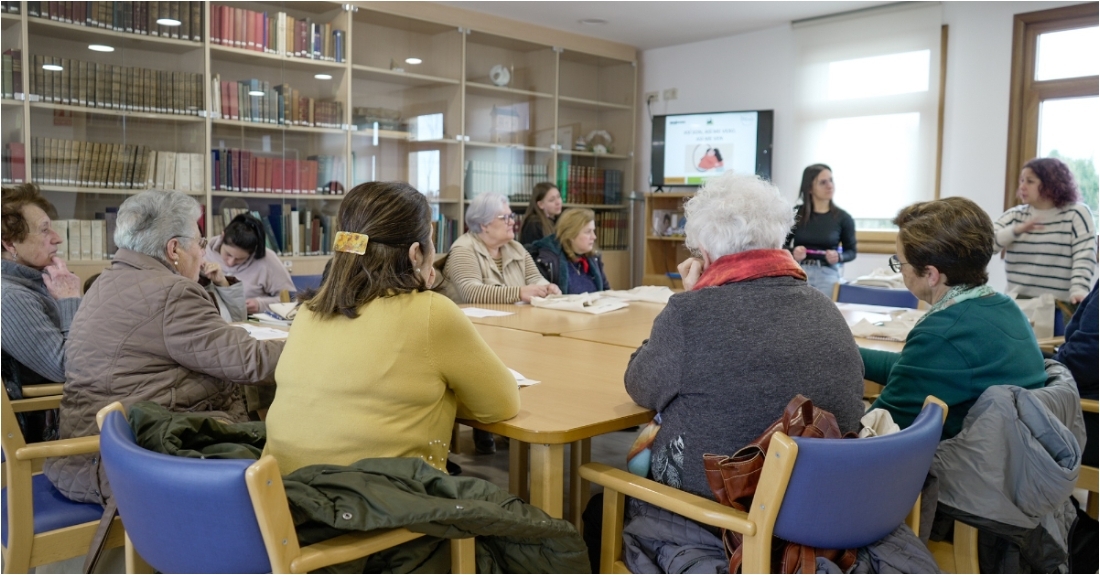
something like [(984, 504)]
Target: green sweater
[(955, 354)]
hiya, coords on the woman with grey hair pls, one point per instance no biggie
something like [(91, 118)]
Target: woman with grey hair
[(748, 334), (146, 331), (488, 265)]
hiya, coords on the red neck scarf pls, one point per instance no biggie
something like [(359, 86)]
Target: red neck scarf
[(750, 265)]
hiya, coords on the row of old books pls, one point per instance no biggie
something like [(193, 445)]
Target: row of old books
[(124, 166), (97, 85), (589, 184), (13, 72), (87, 239), (130, 17), (612, 230), (444, 232), (257, 101), (14, 164), (277, 33), (10, 6), (238, 170), (511, 180)]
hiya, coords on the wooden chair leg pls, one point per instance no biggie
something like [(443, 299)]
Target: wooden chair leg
[(462, 556), (966, 548), (913, 519), (611, 538), (134, 562)]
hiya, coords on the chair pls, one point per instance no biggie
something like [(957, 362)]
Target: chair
[(1090, 476), (40, 525), (849, 293), (825, 479), (302, 283), (234, 511)]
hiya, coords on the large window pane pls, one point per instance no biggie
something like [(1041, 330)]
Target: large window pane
[(1066, 54), (1066, 132), (876, 76)]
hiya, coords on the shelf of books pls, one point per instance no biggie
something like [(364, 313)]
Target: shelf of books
[(279, 108), (664, 237)]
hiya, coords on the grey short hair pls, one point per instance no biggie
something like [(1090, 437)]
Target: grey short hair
[(483, 210), (736, 213), (147, 220)]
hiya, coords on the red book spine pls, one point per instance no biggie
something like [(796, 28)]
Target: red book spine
[(18, 162), (216, 24)]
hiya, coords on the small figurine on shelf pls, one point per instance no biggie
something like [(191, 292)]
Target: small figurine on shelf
[(580, 145), (599, 141)]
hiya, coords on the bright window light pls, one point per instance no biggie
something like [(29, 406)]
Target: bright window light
[(885, 75), (427, 127), (424, 170), (1065, 54)]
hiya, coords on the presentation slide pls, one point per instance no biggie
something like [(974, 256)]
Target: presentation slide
[(702, 146)]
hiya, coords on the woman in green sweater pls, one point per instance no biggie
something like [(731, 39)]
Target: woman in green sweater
[(971, 338)]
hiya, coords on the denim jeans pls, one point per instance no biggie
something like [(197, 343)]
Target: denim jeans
[(822, 278)]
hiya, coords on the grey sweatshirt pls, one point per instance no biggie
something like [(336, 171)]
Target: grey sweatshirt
[(35, 325)]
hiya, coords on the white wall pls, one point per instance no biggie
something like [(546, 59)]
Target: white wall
[(757, 71)]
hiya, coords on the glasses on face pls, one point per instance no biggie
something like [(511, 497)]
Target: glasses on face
[(199, 240), (896, 263), (510, 218)]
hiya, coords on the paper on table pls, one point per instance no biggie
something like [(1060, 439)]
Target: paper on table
[(482, 312), (521, 380), (584, 303), (653, 294), (264, 317), (262, 333), (897, 329)]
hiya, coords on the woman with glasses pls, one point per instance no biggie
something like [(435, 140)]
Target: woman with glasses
[(147, 331), (971, 338), (824, 236)]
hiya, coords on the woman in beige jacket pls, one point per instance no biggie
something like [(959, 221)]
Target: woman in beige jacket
[(146, 331)]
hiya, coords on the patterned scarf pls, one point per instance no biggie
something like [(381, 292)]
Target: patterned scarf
[(750, 265), (957, 294)]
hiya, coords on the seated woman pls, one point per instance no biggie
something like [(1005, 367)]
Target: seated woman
[(541, 214), (242, 252), (146, 331), (427, 363), (572, 262), (747, 335), (40, 298), (971, 338)]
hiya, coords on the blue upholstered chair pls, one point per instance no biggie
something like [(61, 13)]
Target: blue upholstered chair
[(857, 490), (302, 283), (849, 293), (40, 525), (234, 511)]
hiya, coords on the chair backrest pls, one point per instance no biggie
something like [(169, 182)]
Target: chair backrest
[(847, 493), (183, 515), (302, 283), (848, 293), (1059, 322)]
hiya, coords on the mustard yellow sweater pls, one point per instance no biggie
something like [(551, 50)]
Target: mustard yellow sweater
[(386, 384)]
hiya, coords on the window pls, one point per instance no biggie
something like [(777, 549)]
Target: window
[(869, 104), (1055, 102)]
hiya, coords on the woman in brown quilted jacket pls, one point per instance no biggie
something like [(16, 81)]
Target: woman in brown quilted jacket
[(147, 331)]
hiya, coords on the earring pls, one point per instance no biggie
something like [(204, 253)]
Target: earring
[(176, 263), (417, 270)]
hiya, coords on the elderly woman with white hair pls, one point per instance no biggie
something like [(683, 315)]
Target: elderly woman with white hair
[(748, 334), (146, 331)]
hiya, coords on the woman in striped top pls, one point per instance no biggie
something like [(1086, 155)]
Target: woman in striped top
[(1049, 242)]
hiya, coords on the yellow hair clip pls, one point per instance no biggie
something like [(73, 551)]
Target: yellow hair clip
[(351, 243)]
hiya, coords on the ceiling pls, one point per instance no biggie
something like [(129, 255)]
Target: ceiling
[(646, 25)]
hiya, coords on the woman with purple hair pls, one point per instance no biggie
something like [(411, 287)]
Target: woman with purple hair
[(1048, 240)]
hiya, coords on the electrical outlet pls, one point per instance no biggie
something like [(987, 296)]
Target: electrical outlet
[(670, 94), (651, 97)]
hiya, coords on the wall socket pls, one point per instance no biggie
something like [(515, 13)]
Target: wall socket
[(651, 97), (670, 94)]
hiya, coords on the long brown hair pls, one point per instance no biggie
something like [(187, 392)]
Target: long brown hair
[(394, 215), (805, 191), (533, 209), (570, 225)]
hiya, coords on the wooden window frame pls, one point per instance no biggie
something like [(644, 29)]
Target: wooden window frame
[(1027, 94)]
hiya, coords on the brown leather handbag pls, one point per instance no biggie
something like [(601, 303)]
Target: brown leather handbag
[(734, 478)]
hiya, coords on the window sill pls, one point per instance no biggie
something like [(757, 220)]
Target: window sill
[(877, 241)]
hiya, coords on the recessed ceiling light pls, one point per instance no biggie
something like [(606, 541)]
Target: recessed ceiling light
[(101, 48), (168, 22), (413, 61), (593, 21), (323, 76), (255, 93), (52, 67)]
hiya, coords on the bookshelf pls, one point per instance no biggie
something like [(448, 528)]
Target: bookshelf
[(663, 251), (281, 107)]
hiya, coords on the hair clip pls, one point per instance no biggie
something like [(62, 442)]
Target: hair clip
[(351, 243)]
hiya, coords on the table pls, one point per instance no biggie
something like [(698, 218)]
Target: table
[(581, 395), (529, 318)]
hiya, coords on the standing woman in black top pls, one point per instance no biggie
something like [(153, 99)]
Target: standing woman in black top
[(542, 212), (823, 236)]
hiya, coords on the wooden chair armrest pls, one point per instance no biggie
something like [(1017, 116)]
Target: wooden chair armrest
[(348, 547), (680, 502), (42, 389), (59, 448), (1089, 405), (36, 403), (1047, 344)]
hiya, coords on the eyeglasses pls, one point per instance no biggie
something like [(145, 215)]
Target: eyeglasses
[(508, 218), (201, 241), (896, 264)]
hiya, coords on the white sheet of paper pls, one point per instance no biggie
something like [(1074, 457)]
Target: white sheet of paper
[(482, 312), (521, 380), (262, 333)]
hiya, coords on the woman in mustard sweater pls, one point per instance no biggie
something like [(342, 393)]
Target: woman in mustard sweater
[(377, 364)]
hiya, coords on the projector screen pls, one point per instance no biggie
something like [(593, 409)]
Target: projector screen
[(689, 149)]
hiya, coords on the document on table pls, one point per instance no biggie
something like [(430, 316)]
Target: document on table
[(262, 333), (521, 380), (482, 312)]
